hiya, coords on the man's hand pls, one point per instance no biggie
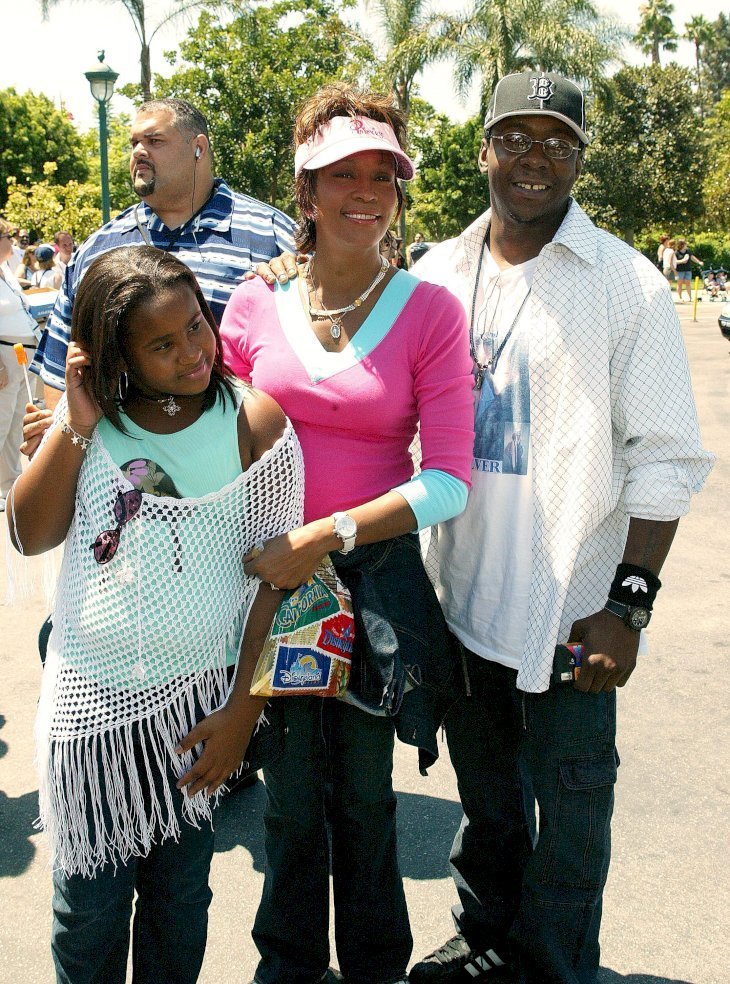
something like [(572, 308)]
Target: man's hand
[(35, 424), (610, 649), (282, 268)]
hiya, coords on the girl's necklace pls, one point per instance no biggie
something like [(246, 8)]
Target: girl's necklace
[(335, 314), (168, 404)]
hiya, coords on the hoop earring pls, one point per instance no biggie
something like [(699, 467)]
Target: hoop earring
[(123, 386)]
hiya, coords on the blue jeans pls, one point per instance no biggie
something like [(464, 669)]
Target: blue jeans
[(533, 895), (91, 916), (336, 750)]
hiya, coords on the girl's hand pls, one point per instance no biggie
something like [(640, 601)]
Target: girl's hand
[(289, 560), (225, 735), (35, 424), (83, 410)]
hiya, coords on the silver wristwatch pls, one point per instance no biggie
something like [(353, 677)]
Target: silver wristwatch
[(346, 530)]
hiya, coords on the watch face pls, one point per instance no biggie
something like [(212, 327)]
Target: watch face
[(639, 618), (345, 527)]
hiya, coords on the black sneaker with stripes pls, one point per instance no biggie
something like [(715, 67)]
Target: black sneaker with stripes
[(456, 963)]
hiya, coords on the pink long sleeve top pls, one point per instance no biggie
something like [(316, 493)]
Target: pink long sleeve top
[(356, 411)]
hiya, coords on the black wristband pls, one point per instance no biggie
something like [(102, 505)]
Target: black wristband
[(635, 586)]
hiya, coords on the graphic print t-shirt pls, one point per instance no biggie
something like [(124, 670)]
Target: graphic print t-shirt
[(486, 599)]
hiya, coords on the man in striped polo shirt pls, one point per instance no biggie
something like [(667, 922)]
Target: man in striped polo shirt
[(183, 209)]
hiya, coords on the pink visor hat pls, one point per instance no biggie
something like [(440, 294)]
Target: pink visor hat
[(343, 136)]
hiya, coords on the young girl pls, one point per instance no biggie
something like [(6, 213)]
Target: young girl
[(160, 473), (46, 275)]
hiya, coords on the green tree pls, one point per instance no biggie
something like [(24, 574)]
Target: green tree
[(412, 40), (449, 191), (717, 59), (138, 13), (413, 37), (656, 30), (717, 176), (645, 164), (698, 30), (32, 132), (498, 37), (251, 75), (43, 207)]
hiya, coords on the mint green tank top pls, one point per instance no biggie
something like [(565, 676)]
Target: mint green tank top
[(197, 460)]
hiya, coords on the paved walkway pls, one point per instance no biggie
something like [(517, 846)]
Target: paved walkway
[(667, 902)]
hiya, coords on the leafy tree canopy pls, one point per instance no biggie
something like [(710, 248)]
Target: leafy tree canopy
[(250, 76), (645, 164), (716, 58), (413, 37), (717, 181), (32, 132), (498, 37), (449, 191), (46, 207)]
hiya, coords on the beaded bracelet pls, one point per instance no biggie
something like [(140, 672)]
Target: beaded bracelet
[(76, 438)]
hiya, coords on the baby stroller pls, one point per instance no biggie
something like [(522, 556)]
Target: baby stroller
[(721, 279), (710, 286)]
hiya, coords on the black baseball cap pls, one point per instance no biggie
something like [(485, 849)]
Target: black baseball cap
[(538, 94)]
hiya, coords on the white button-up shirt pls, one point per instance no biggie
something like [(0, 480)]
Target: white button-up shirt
[(614, 428)]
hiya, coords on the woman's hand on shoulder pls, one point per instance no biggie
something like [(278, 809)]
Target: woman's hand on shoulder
[(282, 268), (83, 410), (261, 422)]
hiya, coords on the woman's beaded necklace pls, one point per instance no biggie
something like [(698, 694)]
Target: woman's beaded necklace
[(335, 315)]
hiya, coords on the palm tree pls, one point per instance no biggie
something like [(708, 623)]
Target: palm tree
[(412, 39), (136, 10), (502, 36), (699, 31), (656, 29)]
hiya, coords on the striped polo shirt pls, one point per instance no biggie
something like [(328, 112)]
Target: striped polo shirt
[(227, 238)]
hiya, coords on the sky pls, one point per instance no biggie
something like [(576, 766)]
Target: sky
[(51, 57)]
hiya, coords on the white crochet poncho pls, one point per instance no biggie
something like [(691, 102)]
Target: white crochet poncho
[(139, 647)]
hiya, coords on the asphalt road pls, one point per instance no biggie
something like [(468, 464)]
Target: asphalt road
[(667, 901)]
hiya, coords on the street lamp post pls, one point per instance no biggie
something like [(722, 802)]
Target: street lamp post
[(101, 79)]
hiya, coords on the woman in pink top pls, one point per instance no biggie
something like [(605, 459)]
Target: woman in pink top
[(360, 356)]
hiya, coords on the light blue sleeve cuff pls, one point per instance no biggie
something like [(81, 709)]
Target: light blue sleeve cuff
[(434, 496)]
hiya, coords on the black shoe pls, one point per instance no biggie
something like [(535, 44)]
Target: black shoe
[(456, 963)]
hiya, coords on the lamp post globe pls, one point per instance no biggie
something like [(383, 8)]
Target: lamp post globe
[(101, 80)]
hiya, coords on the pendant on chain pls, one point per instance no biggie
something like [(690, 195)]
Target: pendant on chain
[(336, 329), (169, 406)]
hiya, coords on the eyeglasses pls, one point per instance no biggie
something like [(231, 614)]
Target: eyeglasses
[(520, 143), (5, 235), (126, 508)]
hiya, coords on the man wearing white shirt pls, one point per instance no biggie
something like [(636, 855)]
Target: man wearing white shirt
[(65, 244), (581, 376)]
